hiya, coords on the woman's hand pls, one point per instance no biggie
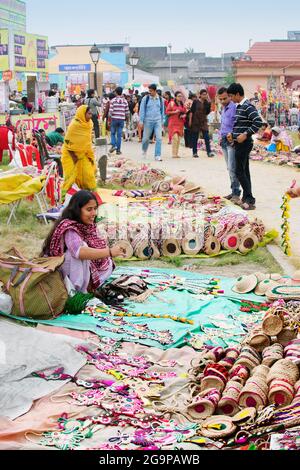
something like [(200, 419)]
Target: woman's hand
[(117, 252), (294, 193)]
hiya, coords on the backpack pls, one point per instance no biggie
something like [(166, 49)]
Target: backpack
[(36, 287), (161, 104)]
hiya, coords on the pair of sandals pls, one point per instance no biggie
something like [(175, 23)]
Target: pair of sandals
[(245, 205)]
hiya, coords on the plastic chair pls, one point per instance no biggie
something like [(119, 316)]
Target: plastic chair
[(40, 196), (44, 154)]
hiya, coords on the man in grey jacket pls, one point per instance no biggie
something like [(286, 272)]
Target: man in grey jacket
[(92, 102)]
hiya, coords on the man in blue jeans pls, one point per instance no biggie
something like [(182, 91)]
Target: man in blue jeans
[(227, 124), (152, 115), (119, 113)]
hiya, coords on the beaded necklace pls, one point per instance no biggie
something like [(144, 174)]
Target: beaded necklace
[(120, 367), (124, 328)]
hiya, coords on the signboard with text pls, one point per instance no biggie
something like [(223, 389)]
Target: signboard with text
[(75, 68), (30, 53), (4, 57)]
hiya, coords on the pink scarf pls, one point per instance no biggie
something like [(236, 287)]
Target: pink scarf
[(90, 236)]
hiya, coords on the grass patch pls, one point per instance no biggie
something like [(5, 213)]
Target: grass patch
[(27, 233), (260, 257), (4, 165)]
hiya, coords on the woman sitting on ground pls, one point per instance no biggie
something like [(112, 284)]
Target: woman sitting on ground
[(88, 259), (281, 141)]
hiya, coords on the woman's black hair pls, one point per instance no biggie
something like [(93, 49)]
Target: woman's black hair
[(71, 212), (176, 94), (169, 95)]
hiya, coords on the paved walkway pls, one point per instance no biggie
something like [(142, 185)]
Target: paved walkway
[(269, 183)]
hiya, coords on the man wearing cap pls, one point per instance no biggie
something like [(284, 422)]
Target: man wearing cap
[(152, 115)]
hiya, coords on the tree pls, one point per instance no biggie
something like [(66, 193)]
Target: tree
[(230, 77)]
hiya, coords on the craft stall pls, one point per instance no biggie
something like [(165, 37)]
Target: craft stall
[(162, 360)]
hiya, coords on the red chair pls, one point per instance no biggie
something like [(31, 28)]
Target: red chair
[(7, 141), (23, 155), (33, 155)]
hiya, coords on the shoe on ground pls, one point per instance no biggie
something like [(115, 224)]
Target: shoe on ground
[(113, 150), (176, 156), (229, 197), (236, 200), (158, 159), (211, 155), (195, 156), (119, 152), (248, 207)]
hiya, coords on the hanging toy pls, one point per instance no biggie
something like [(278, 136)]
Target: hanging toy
[(286, 212)]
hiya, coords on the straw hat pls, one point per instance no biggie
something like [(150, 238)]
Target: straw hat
[(218, 427), (126, 247), (212, 246), (284, 292), (191, 188), (276, 277), (262, 277), (171, 248), (264, 286), (231, 242), (245, 284), (191, 244)]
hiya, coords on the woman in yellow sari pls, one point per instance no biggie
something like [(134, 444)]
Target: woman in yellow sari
[(78, 158)]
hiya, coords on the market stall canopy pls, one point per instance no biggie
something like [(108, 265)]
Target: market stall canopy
[(77, 59)]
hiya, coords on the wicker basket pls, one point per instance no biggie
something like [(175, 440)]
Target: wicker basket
[(284, 369), (281, 393), (273, 325)]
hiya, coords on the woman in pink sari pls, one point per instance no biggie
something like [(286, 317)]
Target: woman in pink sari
[(177, 113)]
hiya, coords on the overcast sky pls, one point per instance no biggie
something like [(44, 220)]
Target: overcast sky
[(212, 27)]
